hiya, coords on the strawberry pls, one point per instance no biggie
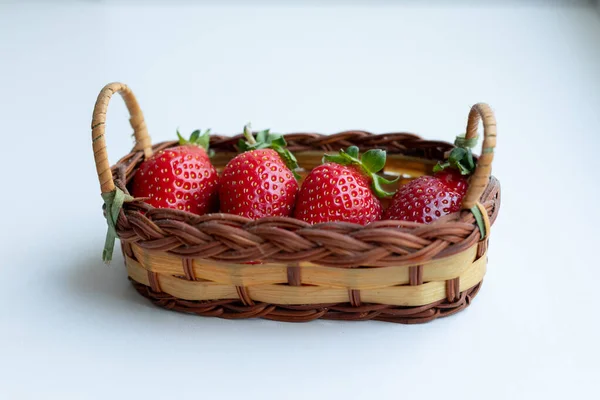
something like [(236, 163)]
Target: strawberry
[(460, 164), (454, 180), (344, 188), (260, 182), (424, 199), (427, 198), (181, 177)]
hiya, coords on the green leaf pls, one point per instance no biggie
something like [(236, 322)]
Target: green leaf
[(440, 166), (470, 160), (194, 136), (461, 141), (460, 159), (479, 219), (376, 186), (277, 140), (456, 155), (289, 159), (202, 140), (182, 140), (352, 151), (197, 138), (373, 160), (387, 181), (463, 170), (267, 140), (243, 145), (113, 202), (351, 155), (335, 158), (261, 137)]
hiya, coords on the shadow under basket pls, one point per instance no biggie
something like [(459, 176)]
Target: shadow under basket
[(388, 270)]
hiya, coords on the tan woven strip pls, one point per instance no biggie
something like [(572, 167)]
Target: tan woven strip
[(310, 274), (400, 295), (98, 129), (486, 220), (244, 295), (188, 268), (479, 180), (153, 281), (415, 275), (294, 276)]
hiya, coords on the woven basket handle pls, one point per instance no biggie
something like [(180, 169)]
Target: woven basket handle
[(136, 120), (480, 178)]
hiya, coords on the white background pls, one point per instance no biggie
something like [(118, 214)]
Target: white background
[(72, 328)]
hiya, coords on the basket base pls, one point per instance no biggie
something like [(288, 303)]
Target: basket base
[(234, 309)]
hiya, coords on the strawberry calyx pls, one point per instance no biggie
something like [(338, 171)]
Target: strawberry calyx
[(197, 138), (460, 157), (369, 163), (267, 140)]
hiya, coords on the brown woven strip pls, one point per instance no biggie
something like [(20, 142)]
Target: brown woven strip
[(415, 275), (354, 296), (458, 300), (188, 268), (154, 284), (127, 250), (254, 311), (452, 289), (244, 295), (294, 275), (482, 248), (295, 316)]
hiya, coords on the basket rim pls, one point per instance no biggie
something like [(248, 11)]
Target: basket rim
[(232, 238)]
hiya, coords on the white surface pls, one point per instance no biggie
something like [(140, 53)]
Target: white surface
[(71, 328)]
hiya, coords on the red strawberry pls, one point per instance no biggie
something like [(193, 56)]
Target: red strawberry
[(454, 180), (424, 199), (259, 182), (180, 177), (345, 188), (427, 198)]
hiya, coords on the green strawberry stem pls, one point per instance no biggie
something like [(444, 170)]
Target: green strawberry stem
[(197, 138), (267, 140), (370, 163), (461, 157), (248, 134)]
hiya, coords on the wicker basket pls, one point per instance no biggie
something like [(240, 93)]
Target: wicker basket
[(389, 270)]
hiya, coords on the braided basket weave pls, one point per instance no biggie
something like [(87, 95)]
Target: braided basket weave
[(389, 270)]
